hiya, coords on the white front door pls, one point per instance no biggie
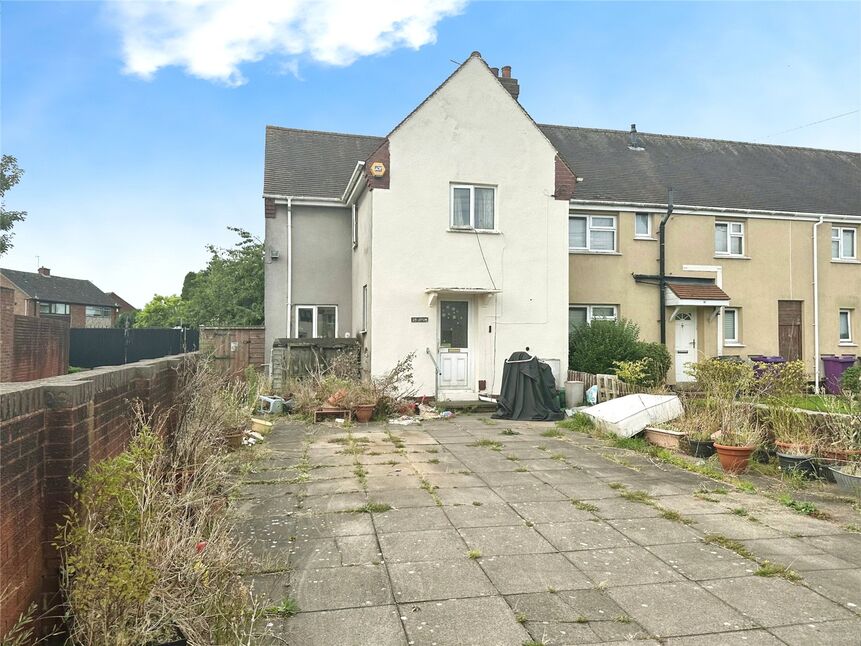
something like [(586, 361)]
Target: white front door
[(686, 342), (454, 365)]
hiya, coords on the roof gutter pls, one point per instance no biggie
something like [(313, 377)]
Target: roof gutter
[(347, 195), (713, 210)]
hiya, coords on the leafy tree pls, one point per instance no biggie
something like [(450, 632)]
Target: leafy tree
[(162, 311), (126, 317), (10, 174), (229, 291)]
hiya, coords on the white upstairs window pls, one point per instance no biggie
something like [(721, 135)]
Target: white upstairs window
[(643, 225), (473, 207), (729, 238), (842, 243), (595, 233)]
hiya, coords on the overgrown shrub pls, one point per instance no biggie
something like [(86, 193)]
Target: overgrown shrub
[(597, 346), (780, 379), (850, 380), (658, 362)]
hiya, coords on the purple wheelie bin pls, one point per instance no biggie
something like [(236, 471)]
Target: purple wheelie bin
[(834, 367)]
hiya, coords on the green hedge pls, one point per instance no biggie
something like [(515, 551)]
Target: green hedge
[(850, 380)]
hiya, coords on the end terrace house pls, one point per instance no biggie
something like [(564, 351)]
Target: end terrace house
[(470, 231)]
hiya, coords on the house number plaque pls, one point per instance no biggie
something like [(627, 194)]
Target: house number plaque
[(419, 319)]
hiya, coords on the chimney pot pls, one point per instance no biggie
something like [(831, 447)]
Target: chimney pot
[(495, 71), (476, 53), (44, 271), (506, 72)]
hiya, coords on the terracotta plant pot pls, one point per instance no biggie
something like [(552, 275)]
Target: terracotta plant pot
[(734, 459), (788, 448), (234, 437), (364, 412), (664, 437)]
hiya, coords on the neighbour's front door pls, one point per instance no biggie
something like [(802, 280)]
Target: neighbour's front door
[(686, 342), (454, 345), (789, 329)]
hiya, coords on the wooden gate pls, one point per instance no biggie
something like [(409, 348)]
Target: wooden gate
[(233, 348), (789, 329)]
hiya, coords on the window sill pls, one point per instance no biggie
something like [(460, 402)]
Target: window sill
[(734, 345), (492, 232), (647, 238), (845, 261), (588, 252), (729, 256), (847, 344)]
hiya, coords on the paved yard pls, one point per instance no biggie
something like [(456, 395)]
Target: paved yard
[(571, 542)]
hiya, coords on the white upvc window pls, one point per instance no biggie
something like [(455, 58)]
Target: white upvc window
[(473, 207), (98, 311), (730, 326), (643, 225), (316, 321), (596, 233), (579, 315), (843, 243), (846, 327), (729, 238)]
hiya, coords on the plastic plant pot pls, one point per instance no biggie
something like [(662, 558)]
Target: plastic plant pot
[(803, 464), (702, 449)]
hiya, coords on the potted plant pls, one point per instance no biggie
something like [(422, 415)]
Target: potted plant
[(848, 476), (364, 399), (669, 438), (794, 439), (841, 433), (738, 438), (698, 423)]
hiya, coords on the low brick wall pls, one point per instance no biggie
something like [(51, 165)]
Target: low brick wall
[(50, 430)]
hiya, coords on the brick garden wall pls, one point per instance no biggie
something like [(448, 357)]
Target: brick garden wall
[(50, 430), (30, 347)]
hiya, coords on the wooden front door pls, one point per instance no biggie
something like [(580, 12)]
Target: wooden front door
[(789, 329)]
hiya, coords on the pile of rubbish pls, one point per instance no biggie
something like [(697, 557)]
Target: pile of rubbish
[(423, 412)]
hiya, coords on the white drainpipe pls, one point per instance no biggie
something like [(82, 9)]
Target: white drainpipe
[(816, 357), (289, 266)]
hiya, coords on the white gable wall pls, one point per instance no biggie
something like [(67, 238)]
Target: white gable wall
[(470, 131)]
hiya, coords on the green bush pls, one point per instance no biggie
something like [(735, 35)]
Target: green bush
[(658, 363), (850, 381), (596, 346)]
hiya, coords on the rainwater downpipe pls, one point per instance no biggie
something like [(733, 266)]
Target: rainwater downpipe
[(816, 357), (662, 266), (289, 266)]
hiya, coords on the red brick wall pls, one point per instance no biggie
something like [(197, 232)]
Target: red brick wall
[(31, 348), (50, 430), (79, 315)]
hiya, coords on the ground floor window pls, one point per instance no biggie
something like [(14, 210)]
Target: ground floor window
[(730, 325), (53, 308), (845, 326), (579, 315), (316, 321)]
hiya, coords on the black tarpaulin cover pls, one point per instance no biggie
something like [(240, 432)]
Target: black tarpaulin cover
[(528, 390)]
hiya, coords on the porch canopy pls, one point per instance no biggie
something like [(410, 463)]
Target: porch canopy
[(697, 294), (434, 292)]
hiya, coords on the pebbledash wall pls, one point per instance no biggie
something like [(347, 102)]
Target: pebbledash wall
[(50, 430), (31, 347)]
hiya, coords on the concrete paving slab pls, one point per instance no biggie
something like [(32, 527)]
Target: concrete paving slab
[(333, 502), (560, 511), (843, 587), (533, 573), (797, 524), (529, 492), (655, 531), (397, 481), (411, 519), (622, 566), (701, 561), (834, 633), (620, 509), (454, 480), (437, 580), (493, 541), (484, 621), (483, 516), (427, 545), (585, 535), (775, 601), (732, 526), (675, 609), (845, 546), (587, 490), (340, 485), (268, 589), (334, 552), (404, 498), (781, 550), (469, 495), (740, 638), (341, 587), (690, 505), (380, 626), (500, 478), (310, 525)]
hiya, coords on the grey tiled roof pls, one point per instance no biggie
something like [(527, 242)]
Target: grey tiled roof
[(57, 289), (708, 172), (702, 172), (310, 163)]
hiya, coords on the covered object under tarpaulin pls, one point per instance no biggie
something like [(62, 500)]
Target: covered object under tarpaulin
[(528, 390)]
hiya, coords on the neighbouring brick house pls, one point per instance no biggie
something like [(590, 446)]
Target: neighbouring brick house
[(123, 304), (79, 301)]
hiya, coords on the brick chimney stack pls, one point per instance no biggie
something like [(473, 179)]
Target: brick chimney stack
[(44, 271), (509, 83)]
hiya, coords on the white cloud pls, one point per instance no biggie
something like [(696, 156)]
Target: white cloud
[(212, 39)]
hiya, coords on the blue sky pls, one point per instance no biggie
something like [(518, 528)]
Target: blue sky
[(141, 130)]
